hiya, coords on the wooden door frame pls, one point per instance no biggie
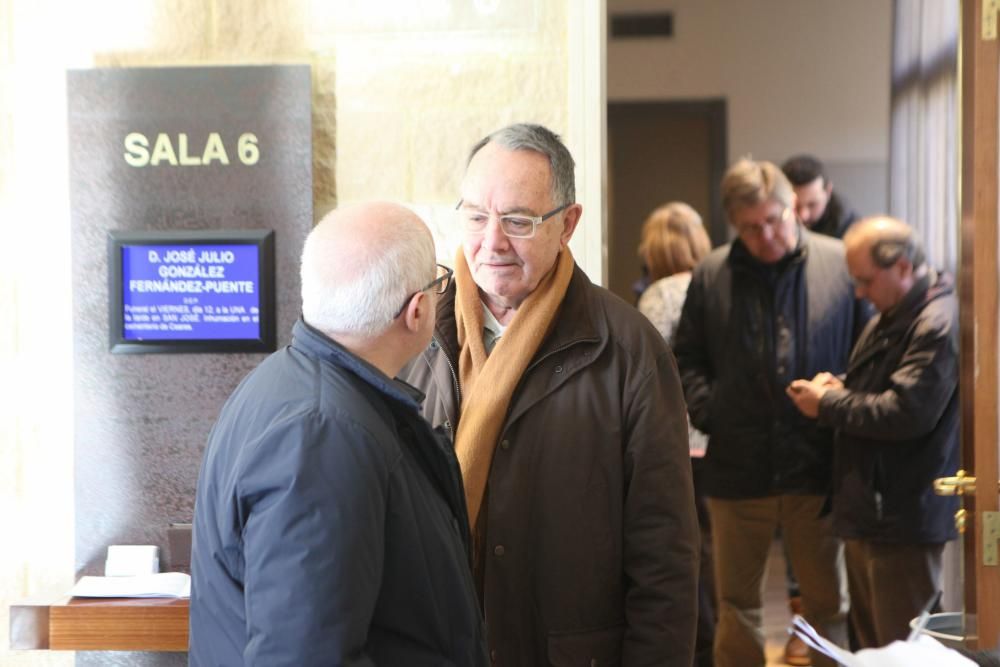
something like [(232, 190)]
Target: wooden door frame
[(714, 110), (979, 310)]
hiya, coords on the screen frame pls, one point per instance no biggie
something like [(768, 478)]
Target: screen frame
[(262, 238)]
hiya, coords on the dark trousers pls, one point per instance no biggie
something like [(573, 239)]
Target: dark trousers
[(889, 584)]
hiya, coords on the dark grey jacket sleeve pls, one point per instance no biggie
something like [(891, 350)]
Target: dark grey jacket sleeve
[(916, 396), (693, 356), (313, 501)]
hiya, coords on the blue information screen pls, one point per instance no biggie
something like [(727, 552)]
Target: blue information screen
[(190, 292)]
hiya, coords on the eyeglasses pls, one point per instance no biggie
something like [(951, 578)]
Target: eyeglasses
[(519, 226), (439, 285), (756, 231)]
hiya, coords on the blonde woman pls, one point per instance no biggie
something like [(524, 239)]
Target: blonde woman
[(673, 241)]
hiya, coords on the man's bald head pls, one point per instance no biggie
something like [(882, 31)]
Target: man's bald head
[(360, 263), (884, 259), (886, 240)]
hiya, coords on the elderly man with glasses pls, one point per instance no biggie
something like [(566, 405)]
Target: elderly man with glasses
[(568, 421), (773, 305), (330, 523)]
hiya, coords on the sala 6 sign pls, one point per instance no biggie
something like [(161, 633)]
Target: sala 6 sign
[(138, 154)]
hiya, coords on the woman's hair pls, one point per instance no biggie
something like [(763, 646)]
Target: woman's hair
[(673, 240)]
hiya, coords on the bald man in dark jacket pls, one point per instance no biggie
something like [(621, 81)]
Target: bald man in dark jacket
[(330, 522), (896, 416)]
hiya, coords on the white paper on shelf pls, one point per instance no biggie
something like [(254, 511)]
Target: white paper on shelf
[(164, 585), (132, 560)]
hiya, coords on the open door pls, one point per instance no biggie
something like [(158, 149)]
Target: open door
[(660, 152), (980, 307)]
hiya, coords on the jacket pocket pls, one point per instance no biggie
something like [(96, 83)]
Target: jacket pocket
[(589, 648)]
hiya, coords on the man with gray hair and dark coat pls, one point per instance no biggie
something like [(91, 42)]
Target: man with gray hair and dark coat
[(330, 524), (569, 425), (772, 306), (896, 416)]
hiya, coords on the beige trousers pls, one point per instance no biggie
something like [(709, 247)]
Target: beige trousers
[(742, 532)]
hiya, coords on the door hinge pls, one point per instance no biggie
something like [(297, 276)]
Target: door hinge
[(991, 536), (990, 10)]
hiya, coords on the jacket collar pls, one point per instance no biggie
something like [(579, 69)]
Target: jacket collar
[(446, 324), (314, 343), (739, 256), (879, 331), (835, 220), (575, 320), (926, 288)]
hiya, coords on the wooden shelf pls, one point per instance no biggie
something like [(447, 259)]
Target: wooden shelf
[(101, 624)]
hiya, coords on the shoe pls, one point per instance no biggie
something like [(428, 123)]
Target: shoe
[(796, 651)]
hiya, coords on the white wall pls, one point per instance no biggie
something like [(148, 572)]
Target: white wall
[(798, 76)]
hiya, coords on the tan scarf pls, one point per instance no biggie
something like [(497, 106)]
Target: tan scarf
[(489, 381)]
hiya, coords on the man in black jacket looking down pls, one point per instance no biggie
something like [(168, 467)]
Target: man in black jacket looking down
[(774, 305), (330, 523), (818, 206), (896, 418)]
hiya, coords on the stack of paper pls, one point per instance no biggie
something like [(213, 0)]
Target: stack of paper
[(165, 585)]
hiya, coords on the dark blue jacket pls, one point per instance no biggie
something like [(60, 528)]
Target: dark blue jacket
[(836, 219), (330, 524), (746, 331), (897, 422)]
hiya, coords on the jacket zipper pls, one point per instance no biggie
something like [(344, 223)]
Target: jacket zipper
[(454, 379), (877, 483)]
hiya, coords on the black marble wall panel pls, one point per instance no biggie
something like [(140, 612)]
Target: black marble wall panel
[(141, 420)]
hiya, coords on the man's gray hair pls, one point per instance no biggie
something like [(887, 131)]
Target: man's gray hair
[(528, 137), (365, 302), (749, 182)]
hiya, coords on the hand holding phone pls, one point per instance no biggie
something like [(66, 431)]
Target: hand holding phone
[(805, 395)]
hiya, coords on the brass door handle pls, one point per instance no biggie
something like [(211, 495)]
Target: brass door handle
[(961, 516), (959, 485)]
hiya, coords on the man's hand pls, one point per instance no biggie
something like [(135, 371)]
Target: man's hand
[(828, 380), (806, 394)]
